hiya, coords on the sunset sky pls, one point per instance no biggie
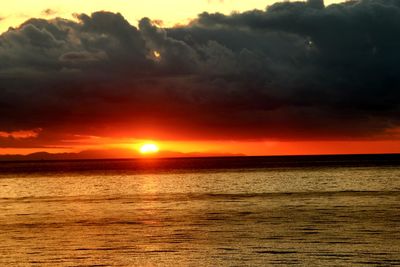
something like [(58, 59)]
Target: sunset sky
[(171, 12), (213, 77)]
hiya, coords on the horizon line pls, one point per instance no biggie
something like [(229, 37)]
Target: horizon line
[(190, 157)]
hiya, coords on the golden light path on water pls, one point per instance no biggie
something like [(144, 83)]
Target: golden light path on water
[(286, 216)]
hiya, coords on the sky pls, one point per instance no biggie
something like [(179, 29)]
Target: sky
[(191, 76), (171, 12)]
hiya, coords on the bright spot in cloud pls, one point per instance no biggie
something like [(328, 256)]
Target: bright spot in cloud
[(157, 54), (149, 148)]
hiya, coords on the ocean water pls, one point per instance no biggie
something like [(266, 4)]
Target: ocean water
[(306, 211)]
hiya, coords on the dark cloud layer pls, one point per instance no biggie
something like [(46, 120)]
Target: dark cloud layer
[(294, 71)]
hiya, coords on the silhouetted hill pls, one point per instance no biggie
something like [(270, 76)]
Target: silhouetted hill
[(108, 154)]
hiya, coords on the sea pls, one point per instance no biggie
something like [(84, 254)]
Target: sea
[(341, 210)]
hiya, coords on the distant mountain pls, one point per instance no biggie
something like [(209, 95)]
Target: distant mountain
[(109, 154)]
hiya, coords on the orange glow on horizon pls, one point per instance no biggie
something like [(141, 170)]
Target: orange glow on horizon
[(102, 147)]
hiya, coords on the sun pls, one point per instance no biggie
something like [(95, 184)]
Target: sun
[(148, 148)]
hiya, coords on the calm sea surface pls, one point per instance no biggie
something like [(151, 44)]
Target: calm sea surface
[(317, 211)]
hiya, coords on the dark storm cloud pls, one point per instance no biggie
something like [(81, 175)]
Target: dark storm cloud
[(294, 71)]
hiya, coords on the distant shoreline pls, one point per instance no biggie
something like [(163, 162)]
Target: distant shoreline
[(25, 158)]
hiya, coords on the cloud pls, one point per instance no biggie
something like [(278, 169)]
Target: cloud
[(22, 134), (49, 12), (297, 70)]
